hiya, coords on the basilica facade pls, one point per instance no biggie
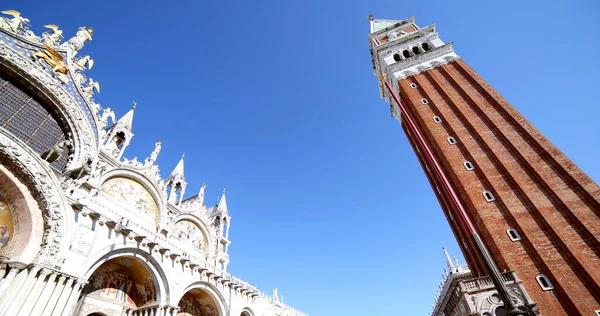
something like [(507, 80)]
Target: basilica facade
[(84, 230)]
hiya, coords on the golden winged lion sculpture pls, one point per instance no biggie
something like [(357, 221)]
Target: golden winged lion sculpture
[(55, 60)]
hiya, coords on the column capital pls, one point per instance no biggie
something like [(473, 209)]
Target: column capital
[(45, 271)]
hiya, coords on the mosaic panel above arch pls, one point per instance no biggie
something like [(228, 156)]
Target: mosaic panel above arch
[(123, 280), (7, 223), (190, 233), (131, 194), (196, 302)]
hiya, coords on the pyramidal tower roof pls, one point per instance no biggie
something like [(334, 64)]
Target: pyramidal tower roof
[(379, 24), (223, 202), (127, 119), (177, 173)]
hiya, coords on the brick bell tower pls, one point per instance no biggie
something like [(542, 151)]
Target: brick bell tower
[(513, 200)]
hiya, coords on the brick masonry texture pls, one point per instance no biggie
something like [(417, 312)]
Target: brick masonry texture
[(553, 205)]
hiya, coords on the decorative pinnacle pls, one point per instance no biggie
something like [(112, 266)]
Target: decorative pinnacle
[(134, 105), (370, 17)]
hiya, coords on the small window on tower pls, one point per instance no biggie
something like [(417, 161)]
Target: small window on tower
[(425, 47), (437, 119), (413, 85), (406, 53), (469, 165), (513, 234), (544, 282), (397, 57), (416, 50), (424, 101), (489, 196), (451, 140)]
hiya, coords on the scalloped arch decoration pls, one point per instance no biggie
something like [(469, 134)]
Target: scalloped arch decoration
[(132, 195)]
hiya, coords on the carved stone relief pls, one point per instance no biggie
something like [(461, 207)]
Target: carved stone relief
[(83, 134), (46, 191)]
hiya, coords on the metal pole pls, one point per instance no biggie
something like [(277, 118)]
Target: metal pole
[(484, 254)]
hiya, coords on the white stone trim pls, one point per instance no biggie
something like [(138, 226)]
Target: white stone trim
[(84, 138), (46, 190)]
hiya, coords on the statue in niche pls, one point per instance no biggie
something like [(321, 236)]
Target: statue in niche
[(54, 38), (154, 155)]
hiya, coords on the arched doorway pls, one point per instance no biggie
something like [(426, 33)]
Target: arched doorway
[(245, 313), (122, 282), (197, 302)]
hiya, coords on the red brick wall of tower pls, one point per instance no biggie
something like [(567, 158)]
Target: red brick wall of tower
[(553, 205)]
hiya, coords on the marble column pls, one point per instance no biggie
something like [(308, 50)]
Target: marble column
[(4, 283), (3, 269), (30, 299), (44, 295), (58, 288), (73, 297), (62, 299), (18, 288)]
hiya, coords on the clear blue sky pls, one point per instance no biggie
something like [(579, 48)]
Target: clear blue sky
[(276, 101)]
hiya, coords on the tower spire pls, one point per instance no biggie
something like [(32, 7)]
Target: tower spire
[(177, 173), (448, 260), (127, 119), (176, 182), (222, 206)]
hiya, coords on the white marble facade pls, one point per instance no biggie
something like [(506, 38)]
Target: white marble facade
[(85, 231)]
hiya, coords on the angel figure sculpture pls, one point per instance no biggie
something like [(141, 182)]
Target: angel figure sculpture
[(103, 119), (55, 60), (83, 63), (88, 89), (152, 159), (54, 38), (15, 24)]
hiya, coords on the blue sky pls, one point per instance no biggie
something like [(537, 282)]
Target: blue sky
[(276, 100)]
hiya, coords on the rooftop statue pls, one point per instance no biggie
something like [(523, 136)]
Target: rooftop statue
[(152, 159), (88, 89), (55, 60), (83, 63), (76, 42), (54, 38), (15, 24)]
